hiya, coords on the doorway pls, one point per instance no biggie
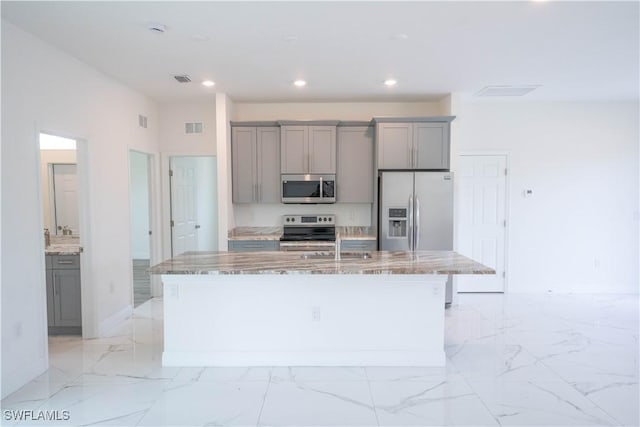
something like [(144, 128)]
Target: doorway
[(59, 187), (193, 204), (482, 219), (141, 234)]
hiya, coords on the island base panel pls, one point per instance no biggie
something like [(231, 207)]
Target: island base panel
[(304, 320)]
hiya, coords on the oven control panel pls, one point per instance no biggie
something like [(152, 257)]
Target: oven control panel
[(305, 220)]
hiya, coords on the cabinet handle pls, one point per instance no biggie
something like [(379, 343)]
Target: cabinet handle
[(65, 262), (259, 192), (55, 290), (308, 163)]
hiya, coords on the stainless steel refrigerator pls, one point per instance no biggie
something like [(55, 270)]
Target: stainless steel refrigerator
[(416, 213)]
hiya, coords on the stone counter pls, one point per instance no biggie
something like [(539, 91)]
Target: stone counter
[(255, 233), (398, 262)]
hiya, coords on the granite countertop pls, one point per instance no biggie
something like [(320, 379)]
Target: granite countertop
[(278, 262), (63, 245), (255, 233), (355, 233)]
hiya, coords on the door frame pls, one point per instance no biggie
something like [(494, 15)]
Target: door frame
[(507, 217), (155, 253), (87, 296)]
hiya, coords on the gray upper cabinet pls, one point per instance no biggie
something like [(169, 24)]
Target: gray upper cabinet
[(395, 142), (355, 164), (419, 143), (308, 149), (255, 153)]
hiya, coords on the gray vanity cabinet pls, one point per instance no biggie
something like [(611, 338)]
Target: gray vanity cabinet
[(308, 149), (355, 164), (416, 144), (64, 312), (255, 154)]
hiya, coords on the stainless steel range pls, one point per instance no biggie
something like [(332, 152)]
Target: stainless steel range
[(308, 233)]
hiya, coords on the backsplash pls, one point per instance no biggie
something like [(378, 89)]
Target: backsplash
[(268, 215)]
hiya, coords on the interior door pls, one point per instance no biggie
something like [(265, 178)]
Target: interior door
[(184, 230), (65, 195), (481, 205)]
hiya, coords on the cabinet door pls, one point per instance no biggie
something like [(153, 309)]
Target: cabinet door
[(253, 245), (268, 161), (431, 145), (294, 154), (243, 155), (50, 298), (355, 165), (394, 145), (66, 286), (322, 149)]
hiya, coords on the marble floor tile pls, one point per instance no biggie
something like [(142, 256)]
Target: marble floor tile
[(535, 360), (408, 373), (434, 403), (618, 399), (319, 373), (297, 403), (204, 403), (539, 403)]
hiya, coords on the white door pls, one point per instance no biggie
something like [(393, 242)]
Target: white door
[(481, 227), (65, 197), (184, 230)]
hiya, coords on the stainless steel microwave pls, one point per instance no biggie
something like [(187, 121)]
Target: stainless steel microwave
[(308, 188)]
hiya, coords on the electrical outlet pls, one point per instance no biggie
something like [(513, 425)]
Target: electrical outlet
[(315, 314)]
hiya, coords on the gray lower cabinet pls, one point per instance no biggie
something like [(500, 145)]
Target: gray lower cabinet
[(415, 144), (358, 245), (255, 154), (354, 178), (253, 245), (64, 312)]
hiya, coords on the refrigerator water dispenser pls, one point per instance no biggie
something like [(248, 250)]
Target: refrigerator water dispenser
[(397, 222)]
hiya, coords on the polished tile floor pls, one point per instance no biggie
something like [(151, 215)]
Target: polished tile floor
[(534, 360)]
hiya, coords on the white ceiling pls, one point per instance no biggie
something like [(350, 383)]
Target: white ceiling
[(253, 51)]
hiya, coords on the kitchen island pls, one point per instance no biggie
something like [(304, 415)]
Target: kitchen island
[(292, 309)]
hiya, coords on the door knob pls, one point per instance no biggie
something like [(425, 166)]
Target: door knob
[(197, 226)]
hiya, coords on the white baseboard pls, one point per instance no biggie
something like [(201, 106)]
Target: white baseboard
[(114, 320)]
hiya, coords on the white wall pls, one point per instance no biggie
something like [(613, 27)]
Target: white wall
[(48, 157), (335, 110), (44, 89), (172, 135), (139, 200), (579, 230)]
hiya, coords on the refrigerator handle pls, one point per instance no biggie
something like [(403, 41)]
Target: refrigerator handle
[(410, 233), (417, 239)]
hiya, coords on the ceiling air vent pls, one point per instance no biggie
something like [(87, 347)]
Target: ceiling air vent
[(506, 90), (193, 127), (142, 121), (182, 79)]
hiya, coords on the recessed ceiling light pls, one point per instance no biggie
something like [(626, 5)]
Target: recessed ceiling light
[(300, 83), (390, 82), (506, 90), (208, 83)]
